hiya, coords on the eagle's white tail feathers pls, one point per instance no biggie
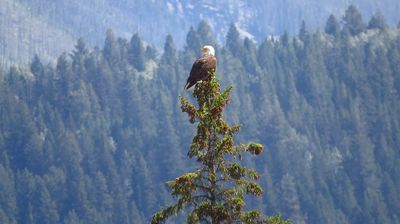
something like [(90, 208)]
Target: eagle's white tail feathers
[(187, 84), (191, 88)]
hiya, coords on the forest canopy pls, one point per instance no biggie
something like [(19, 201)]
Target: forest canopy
[(92, 137)]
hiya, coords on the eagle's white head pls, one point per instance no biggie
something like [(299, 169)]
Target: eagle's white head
[(207, 50)]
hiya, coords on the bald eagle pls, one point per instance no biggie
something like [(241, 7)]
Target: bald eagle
[(202, 67)]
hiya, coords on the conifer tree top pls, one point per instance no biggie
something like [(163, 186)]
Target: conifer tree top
[(215, 191)]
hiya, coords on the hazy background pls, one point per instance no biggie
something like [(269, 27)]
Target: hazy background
[(51, 27)]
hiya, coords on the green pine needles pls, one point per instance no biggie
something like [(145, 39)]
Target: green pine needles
[(214, 193)]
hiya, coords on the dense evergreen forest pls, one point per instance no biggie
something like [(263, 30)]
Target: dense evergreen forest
[(93, 137)]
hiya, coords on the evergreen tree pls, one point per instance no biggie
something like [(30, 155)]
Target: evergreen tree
[(250, 57), (215, 191), (8, 203), (72, 218), (110, 49), (193, 42), (332, 26), (377, 21), (64, 84), (233, 41), (285, 39), (151, 53), (265, 54), (36, 66), (46, 208), (353, 21), (136, 53), (169, 56), (79, 56), (303, 33), (290, 197), (168, 63), (205, 32)]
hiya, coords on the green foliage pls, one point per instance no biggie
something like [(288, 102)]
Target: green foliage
[(215, 191)]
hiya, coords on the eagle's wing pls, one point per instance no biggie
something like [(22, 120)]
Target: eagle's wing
[(200, 70)]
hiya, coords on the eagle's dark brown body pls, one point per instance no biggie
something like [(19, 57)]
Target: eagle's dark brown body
[(201, 69)]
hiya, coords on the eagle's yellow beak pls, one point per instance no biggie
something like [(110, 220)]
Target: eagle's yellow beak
[(203, 49)]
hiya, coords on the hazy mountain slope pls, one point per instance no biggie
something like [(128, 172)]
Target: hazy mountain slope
[(23, 34), (43, 23), (274, 17)]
